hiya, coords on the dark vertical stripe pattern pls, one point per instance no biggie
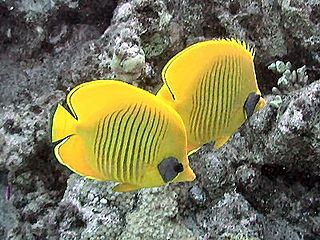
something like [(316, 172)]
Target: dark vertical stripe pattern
[(127, 140)]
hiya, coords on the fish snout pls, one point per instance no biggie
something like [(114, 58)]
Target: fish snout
[(262, 103), (187, 175)]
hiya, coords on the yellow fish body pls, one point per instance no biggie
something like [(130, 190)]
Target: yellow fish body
[(117, 132), (212, 85)]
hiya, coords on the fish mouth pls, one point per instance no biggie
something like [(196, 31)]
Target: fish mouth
[(262, 103)]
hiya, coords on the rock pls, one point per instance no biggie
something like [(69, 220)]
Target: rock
[(155, 217), (231, 216)]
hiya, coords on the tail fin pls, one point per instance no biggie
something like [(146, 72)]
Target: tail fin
[(63, 124), (71, 150)]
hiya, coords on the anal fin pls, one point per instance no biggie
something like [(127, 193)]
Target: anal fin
[(125, 187)]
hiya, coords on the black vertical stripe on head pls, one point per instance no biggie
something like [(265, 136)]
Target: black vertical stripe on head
[(212, 90), (105, 150), (153, 135), (120, 138), (125, 159), (130, 153), (142, 146)]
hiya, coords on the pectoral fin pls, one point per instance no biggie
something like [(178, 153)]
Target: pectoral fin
[(125, 187)]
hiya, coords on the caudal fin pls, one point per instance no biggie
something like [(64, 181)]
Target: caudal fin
[(63, 124), (71, 149)]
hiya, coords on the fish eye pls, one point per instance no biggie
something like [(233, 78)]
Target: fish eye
[(250, 104), (169, 168)]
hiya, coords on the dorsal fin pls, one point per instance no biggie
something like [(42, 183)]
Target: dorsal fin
[(180, 73), (87, 99)]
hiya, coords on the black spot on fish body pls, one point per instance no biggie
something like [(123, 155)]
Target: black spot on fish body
[(250, 104), (169, 168)]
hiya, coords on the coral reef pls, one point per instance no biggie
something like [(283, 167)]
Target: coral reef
[(263, 184), (156, 216)]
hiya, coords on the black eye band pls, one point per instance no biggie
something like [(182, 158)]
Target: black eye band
[(250, 104), (169, 168)]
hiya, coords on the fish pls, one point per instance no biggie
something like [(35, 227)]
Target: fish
[(212, 85), (109, 130)]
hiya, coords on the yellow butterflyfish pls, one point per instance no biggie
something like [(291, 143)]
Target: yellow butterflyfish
[(114, 131), (213, 86)]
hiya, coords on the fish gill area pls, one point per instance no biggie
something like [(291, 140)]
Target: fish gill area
[(263, 184)]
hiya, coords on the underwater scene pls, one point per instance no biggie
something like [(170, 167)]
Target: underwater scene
[(162, 119)]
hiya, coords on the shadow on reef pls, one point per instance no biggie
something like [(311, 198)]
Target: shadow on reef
[(35, 32), (38, 186), (88, 13), (282, 192)]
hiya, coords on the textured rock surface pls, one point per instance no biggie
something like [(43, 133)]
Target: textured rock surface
[(263, 184)]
